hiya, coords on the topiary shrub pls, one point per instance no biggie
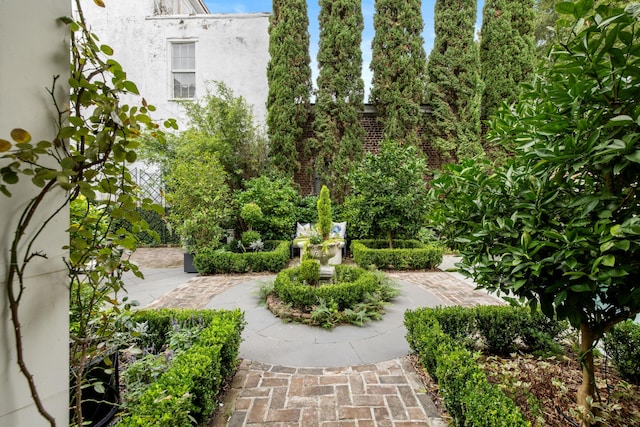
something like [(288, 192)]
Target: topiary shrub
[(248, 237), (278, 201), (310, 272)]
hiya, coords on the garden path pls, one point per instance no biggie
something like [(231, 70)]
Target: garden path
[(293, 375)]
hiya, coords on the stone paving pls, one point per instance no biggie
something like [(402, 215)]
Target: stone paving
[(384, 394), (381, 394)]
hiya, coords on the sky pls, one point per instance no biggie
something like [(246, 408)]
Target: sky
[(248, 6)]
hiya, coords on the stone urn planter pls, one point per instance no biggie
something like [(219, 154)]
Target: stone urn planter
[(324, 252)]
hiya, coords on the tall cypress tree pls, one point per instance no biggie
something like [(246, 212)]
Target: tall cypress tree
[(339, 100), (398, 64), (454, 81), (507, 51), (289, 77)]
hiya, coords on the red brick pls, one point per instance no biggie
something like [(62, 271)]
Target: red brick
[(354, 413)]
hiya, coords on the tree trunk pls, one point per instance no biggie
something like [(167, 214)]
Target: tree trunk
[(587, 389), (390, 240)]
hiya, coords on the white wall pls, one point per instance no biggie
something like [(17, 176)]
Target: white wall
[(33, 48), (230, 48)]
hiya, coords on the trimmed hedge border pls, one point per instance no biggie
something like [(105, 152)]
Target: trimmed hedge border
[(406, 255), (214, 261), (622, 343), (353, 283), (186, 392), (440, 338)]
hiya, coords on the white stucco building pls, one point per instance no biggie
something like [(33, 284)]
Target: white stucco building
[(172, 48), (28, 61)]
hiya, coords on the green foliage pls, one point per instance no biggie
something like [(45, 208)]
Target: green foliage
[(468, 396), (249, 237), (278, 201), (309, 272), (289, 288), (498, 329), (545, 28), (398, 66), (507, 52), (454, 86), (406, 254), (223, 123), (339, 134), (185, 393), (289, 76), (251, 214), (622, 344), (160, 231), (325, 222), (559, 224), (356, 297), (499, 326), (389, 193), (199, 199), (221, 261)]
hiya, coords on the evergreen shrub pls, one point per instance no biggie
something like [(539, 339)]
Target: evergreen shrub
[(622, 344), (406, 254), (220, 261), (185, 393), (468, 395)]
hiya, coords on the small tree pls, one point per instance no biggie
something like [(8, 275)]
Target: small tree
[(289, 76), (560, 225), (389, 192), (398, 66), (199, 200), (251, 214), (455, 87), (278, 201), (222, 123)]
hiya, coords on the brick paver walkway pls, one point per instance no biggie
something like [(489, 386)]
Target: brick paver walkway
[(382, 394), (448, 288)]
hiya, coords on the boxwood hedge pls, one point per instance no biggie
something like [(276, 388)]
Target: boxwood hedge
[(406, 254), (217, 261), (441, 338), (185, 394), (351, 286)]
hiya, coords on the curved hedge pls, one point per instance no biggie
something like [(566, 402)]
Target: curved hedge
[(351, 287), (214, 261), (406, 254)]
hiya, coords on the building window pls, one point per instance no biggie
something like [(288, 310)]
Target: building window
[(183, 69)]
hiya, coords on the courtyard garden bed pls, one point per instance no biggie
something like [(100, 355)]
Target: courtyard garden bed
[(405, 254), (356, 295), (273, 256), (501, 366), (173, 374)]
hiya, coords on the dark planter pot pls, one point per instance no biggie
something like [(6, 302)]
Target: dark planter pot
[(99, 408), (188, 263)]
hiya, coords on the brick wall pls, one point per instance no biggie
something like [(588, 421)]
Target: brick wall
[(373, 137)]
